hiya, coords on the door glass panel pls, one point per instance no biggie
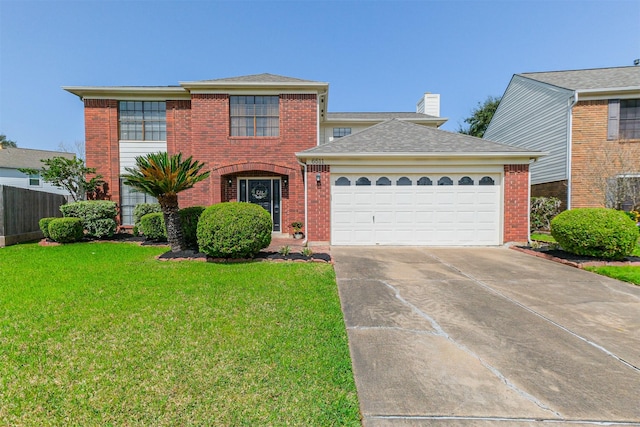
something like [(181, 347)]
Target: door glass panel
[(243, 190), (275, 216)]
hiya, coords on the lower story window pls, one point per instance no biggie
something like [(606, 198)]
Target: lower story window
[(623, 192), (129, 198)]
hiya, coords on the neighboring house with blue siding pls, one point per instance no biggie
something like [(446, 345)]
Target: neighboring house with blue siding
[(12, 159), (589, 123)]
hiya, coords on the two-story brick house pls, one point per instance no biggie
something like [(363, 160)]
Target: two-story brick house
[(266, 138), (589, 123)]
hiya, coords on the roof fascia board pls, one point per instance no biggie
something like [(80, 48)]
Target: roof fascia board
[(254, 91), (609, 93), (128, 93), (421, 158), (436, 120), (406, 162)]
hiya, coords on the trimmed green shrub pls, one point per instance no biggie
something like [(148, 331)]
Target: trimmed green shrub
[(234, 230), (598, 232), (142, 209), (152, 226), (92, 213), (44, 225), (66, 230), (189, 220), (543, 209)]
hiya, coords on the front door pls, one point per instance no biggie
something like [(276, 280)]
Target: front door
[(264, 192)]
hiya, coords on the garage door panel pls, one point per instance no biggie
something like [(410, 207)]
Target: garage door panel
[(416, 215)]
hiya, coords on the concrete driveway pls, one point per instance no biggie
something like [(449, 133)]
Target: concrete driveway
[(487, 336)]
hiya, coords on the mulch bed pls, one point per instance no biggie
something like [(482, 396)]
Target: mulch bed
[(578, 261), (263, 255)]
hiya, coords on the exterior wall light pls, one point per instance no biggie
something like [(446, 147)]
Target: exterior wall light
[(318, 178), (230, 182)]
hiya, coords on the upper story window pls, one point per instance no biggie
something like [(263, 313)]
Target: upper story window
[(143, 120), (624, 119), (255, 115), (340, 132), (630, 119)]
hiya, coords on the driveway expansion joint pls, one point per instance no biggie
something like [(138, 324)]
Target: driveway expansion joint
[(441, 332), (540, 315)]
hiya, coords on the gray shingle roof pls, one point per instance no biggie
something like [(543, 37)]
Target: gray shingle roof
[(258, 78), (379, 116), (14, 158), (397, 136), (599, 78)]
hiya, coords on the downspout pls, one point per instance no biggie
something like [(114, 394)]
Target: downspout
[(304, 180), (570, 146)]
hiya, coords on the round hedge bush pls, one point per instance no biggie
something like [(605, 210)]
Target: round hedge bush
[(234, 230), (66, 230), (44, 225), (597, 232), (152, 226)]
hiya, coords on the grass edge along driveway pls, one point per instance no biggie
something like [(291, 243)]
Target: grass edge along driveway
[(104, 334)]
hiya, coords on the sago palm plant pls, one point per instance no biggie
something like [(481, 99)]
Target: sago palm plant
[(163, 177)]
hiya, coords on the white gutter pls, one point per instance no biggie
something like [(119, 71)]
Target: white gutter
[(570, 146), (304, 180)]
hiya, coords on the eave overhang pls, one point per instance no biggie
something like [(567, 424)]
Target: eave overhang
[(487, 158), (128, 92)]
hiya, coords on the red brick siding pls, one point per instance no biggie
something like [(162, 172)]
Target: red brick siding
[(101, 142), (516, 203), (593, 157), (200, 128), (319, 203)]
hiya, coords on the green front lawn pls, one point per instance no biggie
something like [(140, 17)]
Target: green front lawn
[(626, 273), (103, 334)]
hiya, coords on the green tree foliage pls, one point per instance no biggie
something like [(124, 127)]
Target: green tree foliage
[(163, 177), (480, 117), (70, 174), (7, 143)]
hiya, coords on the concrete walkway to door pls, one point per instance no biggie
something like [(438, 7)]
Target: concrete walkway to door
[(487, 336)]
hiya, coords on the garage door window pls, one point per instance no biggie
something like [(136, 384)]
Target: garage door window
[(383, 181), (445, 180), (425, 181), (403, 181), (363, 181), (465, 180), (343, 181), (487, 180)]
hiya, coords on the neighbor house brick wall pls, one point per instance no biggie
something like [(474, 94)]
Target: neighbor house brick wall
[(516, 203), (593, 157), (556, 189), (101, 142), (319, 203)]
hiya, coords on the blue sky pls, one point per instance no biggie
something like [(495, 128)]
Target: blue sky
[(376, 55)]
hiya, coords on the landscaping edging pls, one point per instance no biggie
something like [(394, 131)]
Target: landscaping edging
[(576, 263), (261, 256)]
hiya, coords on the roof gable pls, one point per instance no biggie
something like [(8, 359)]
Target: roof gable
[(257, 78), (16, 158)]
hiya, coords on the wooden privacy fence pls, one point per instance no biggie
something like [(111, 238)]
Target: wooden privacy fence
[(20, 211)]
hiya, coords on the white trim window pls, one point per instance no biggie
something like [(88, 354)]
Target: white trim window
[(143, 120), (255, 115), (624, 119)]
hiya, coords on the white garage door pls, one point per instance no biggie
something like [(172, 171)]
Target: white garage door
[(437, 209)]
